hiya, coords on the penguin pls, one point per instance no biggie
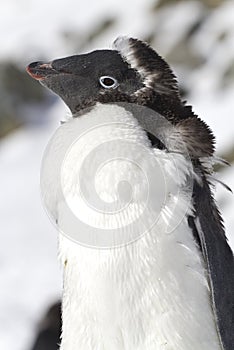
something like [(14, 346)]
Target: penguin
[(161, 291)]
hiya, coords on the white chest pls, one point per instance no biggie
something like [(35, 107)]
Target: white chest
[(152, 293)]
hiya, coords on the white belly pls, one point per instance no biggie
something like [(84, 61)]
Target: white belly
[(150, 294)]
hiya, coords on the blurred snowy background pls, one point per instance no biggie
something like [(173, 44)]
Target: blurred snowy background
[(196, 38)]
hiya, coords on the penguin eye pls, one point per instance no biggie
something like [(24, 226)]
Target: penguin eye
[(108, 82)]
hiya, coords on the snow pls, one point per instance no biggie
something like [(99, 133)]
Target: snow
[(31, 30), (30, 274), (181, 15), (41, 26)]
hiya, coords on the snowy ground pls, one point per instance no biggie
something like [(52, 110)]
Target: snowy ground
[(31, 30), (30, 274)]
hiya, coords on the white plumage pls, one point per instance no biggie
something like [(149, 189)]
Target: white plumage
[(151, 294)]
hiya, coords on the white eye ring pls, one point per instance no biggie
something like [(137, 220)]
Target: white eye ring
[(108, 82)]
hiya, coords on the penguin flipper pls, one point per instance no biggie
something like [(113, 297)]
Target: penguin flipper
[(219, 260)]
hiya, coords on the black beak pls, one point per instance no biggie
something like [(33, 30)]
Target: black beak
[(40, 70)]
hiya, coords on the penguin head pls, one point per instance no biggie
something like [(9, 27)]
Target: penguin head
[(131, 70)]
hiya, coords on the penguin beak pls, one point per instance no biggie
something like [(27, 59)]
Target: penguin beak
[(40, 70)]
